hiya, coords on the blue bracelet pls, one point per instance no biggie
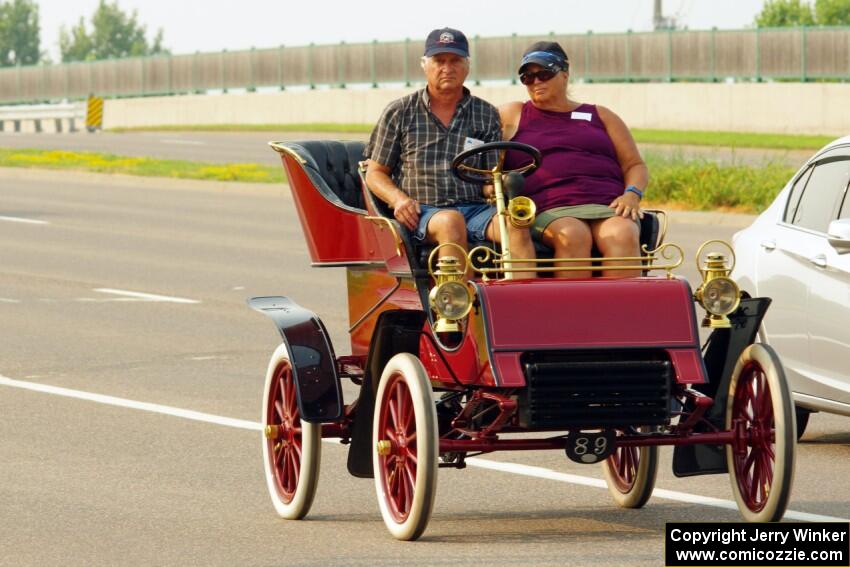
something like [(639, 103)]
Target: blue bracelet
[(635, 190)]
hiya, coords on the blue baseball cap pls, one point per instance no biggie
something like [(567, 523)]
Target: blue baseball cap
[(548, 54), (446, 40)]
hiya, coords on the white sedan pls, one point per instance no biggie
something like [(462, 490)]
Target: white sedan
[(798, 253)]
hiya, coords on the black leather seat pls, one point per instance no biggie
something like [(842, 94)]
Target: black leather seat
[(332, 166)]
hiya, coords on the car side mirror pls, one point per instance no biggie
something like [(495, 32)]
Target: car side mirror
[(838, 235)]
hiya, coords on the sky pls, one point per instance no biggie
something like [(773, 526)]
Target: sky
[(213, 25)]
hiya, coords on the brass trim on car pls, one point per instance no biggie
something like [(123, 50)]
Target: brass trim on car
[(482, 255), (281, 149), (383, 221)]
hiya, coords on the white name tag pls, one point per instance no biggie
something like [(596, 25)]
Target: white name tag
[(581, 116), (470, 143)]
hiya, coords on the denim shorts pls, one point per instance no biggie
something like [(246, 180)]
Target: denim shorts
[(476, 215)]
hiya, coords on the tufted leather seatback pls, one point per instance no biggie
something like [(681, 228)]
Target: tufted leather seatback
[(335, 163)]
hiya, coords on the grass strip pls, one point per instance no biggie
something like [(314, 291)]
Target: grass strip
[(643, 136), (142, 166), (704, 185), (306, 127), (676, 182), (731, 139)]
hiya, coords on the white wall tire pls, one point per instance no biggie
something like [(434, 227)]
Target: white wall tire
[(405, 423), (761, 460), (630, 474), (292, 449)]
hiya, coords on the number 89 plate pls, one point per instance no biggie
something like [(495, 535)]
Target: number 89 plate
[(588, 447)]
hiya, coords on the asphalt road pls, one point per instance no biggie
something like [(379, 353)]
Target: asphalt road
[(87, 480), (250, 147)]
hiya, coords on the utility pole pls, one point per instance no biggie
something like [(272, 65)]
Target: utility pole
[(657, 16), (659, 22)]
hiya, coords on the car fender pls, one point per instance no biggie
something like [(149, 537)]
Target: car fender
[(314, 369)]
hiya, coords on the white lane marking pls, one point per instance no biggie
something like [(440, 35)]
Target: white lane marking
[(131, 404), (513, 468), (23, 220), (7, 300), (145, 296), (549, 474), (184, 142)]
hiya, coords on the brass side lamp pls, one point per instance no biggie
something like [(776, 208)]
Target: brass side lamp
[(718, 293), (451, 297)]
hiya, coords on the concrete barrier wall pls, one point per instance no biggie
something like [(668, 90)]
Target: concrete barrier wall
[(788, 108)]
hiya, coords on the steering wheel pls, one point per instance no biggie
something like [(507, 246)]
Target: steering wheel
[(475, 175)]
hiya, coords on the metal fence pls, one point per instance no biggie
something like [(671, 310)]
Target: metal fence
[(796, 54)]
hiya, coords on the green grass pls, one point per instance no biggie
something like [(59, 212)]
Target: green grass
[(306, 127), (731, 139), (703, 185), (675, 182), (146, 167), (672, 137)]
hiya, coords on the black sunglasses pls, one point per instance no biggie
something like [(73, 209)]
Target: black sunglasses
[(544, 75)]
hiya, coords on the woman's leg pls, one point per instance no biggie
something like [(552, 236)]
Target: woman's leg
[(615, 237), (569, 238)]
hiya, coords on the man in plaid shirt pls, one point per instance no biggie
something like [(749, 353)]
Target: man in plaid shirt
[(412, 146)]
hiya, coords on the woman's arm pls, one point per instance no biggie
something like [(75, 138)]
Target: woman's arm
[(509, 114), (634, 169)]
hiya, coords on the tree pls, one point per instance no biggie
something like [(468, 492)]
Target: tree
[(20, 33), (113, 34), (832, 12), (783, 13)]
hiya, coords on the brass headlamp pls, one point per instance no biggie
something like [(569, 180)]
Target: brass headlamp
[(450, 298), (521, 211), (718, 294)]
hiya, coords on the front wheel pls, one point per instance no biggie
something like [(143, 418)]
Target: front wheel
[(761, 413), (630, 473), (406, 446), (292, 449)]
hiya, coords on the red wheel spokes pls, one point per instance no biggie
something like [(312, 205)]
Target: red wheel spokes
[(754, 465), (398, 469), (286, 447), (624, 462)]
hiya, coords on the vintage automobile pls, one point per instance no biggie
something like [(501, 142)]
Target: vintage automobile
[(605, 369), (797, 253)]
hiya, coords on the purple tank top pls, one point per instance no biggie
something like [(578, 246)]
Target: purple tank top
[(579, 165)]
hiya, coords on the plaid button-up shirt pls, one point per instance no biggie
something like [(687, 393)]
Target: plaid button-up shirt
[(411, 141)]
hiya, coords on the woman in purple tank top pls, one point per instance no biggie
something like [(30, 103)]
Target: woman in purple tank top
[(592, 177)]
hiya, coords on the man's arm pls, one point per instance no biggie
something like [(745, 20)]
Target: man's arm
[(383, 152), (405, 209)]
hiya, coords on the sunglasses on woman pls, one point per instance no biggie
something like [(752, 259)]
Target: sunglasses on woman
[(543, 75)]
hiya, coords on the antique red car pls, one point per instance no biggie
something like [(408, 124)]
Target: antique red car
[(606, 369)]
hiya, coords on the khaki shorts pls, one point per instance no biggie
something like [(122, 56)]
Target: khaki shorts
[(583, 212)]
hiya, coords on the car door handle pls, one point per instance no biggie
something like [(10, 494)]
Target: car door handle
[(768, 244), (819, 260)]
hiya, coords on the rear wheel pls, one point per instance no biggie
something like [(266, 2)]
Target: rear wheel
[(406, 447), (630, 473), (761, 458), (291, 447)]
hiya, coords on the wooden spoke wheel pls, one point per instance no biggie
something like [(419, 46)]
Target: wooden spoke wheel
[(630, 473), (292, 448), (406, 446), (761, 458)]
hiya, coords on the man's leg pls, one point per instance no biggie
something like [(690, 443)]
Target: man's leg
[(569, 238), (447, 225), (617, 237)]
